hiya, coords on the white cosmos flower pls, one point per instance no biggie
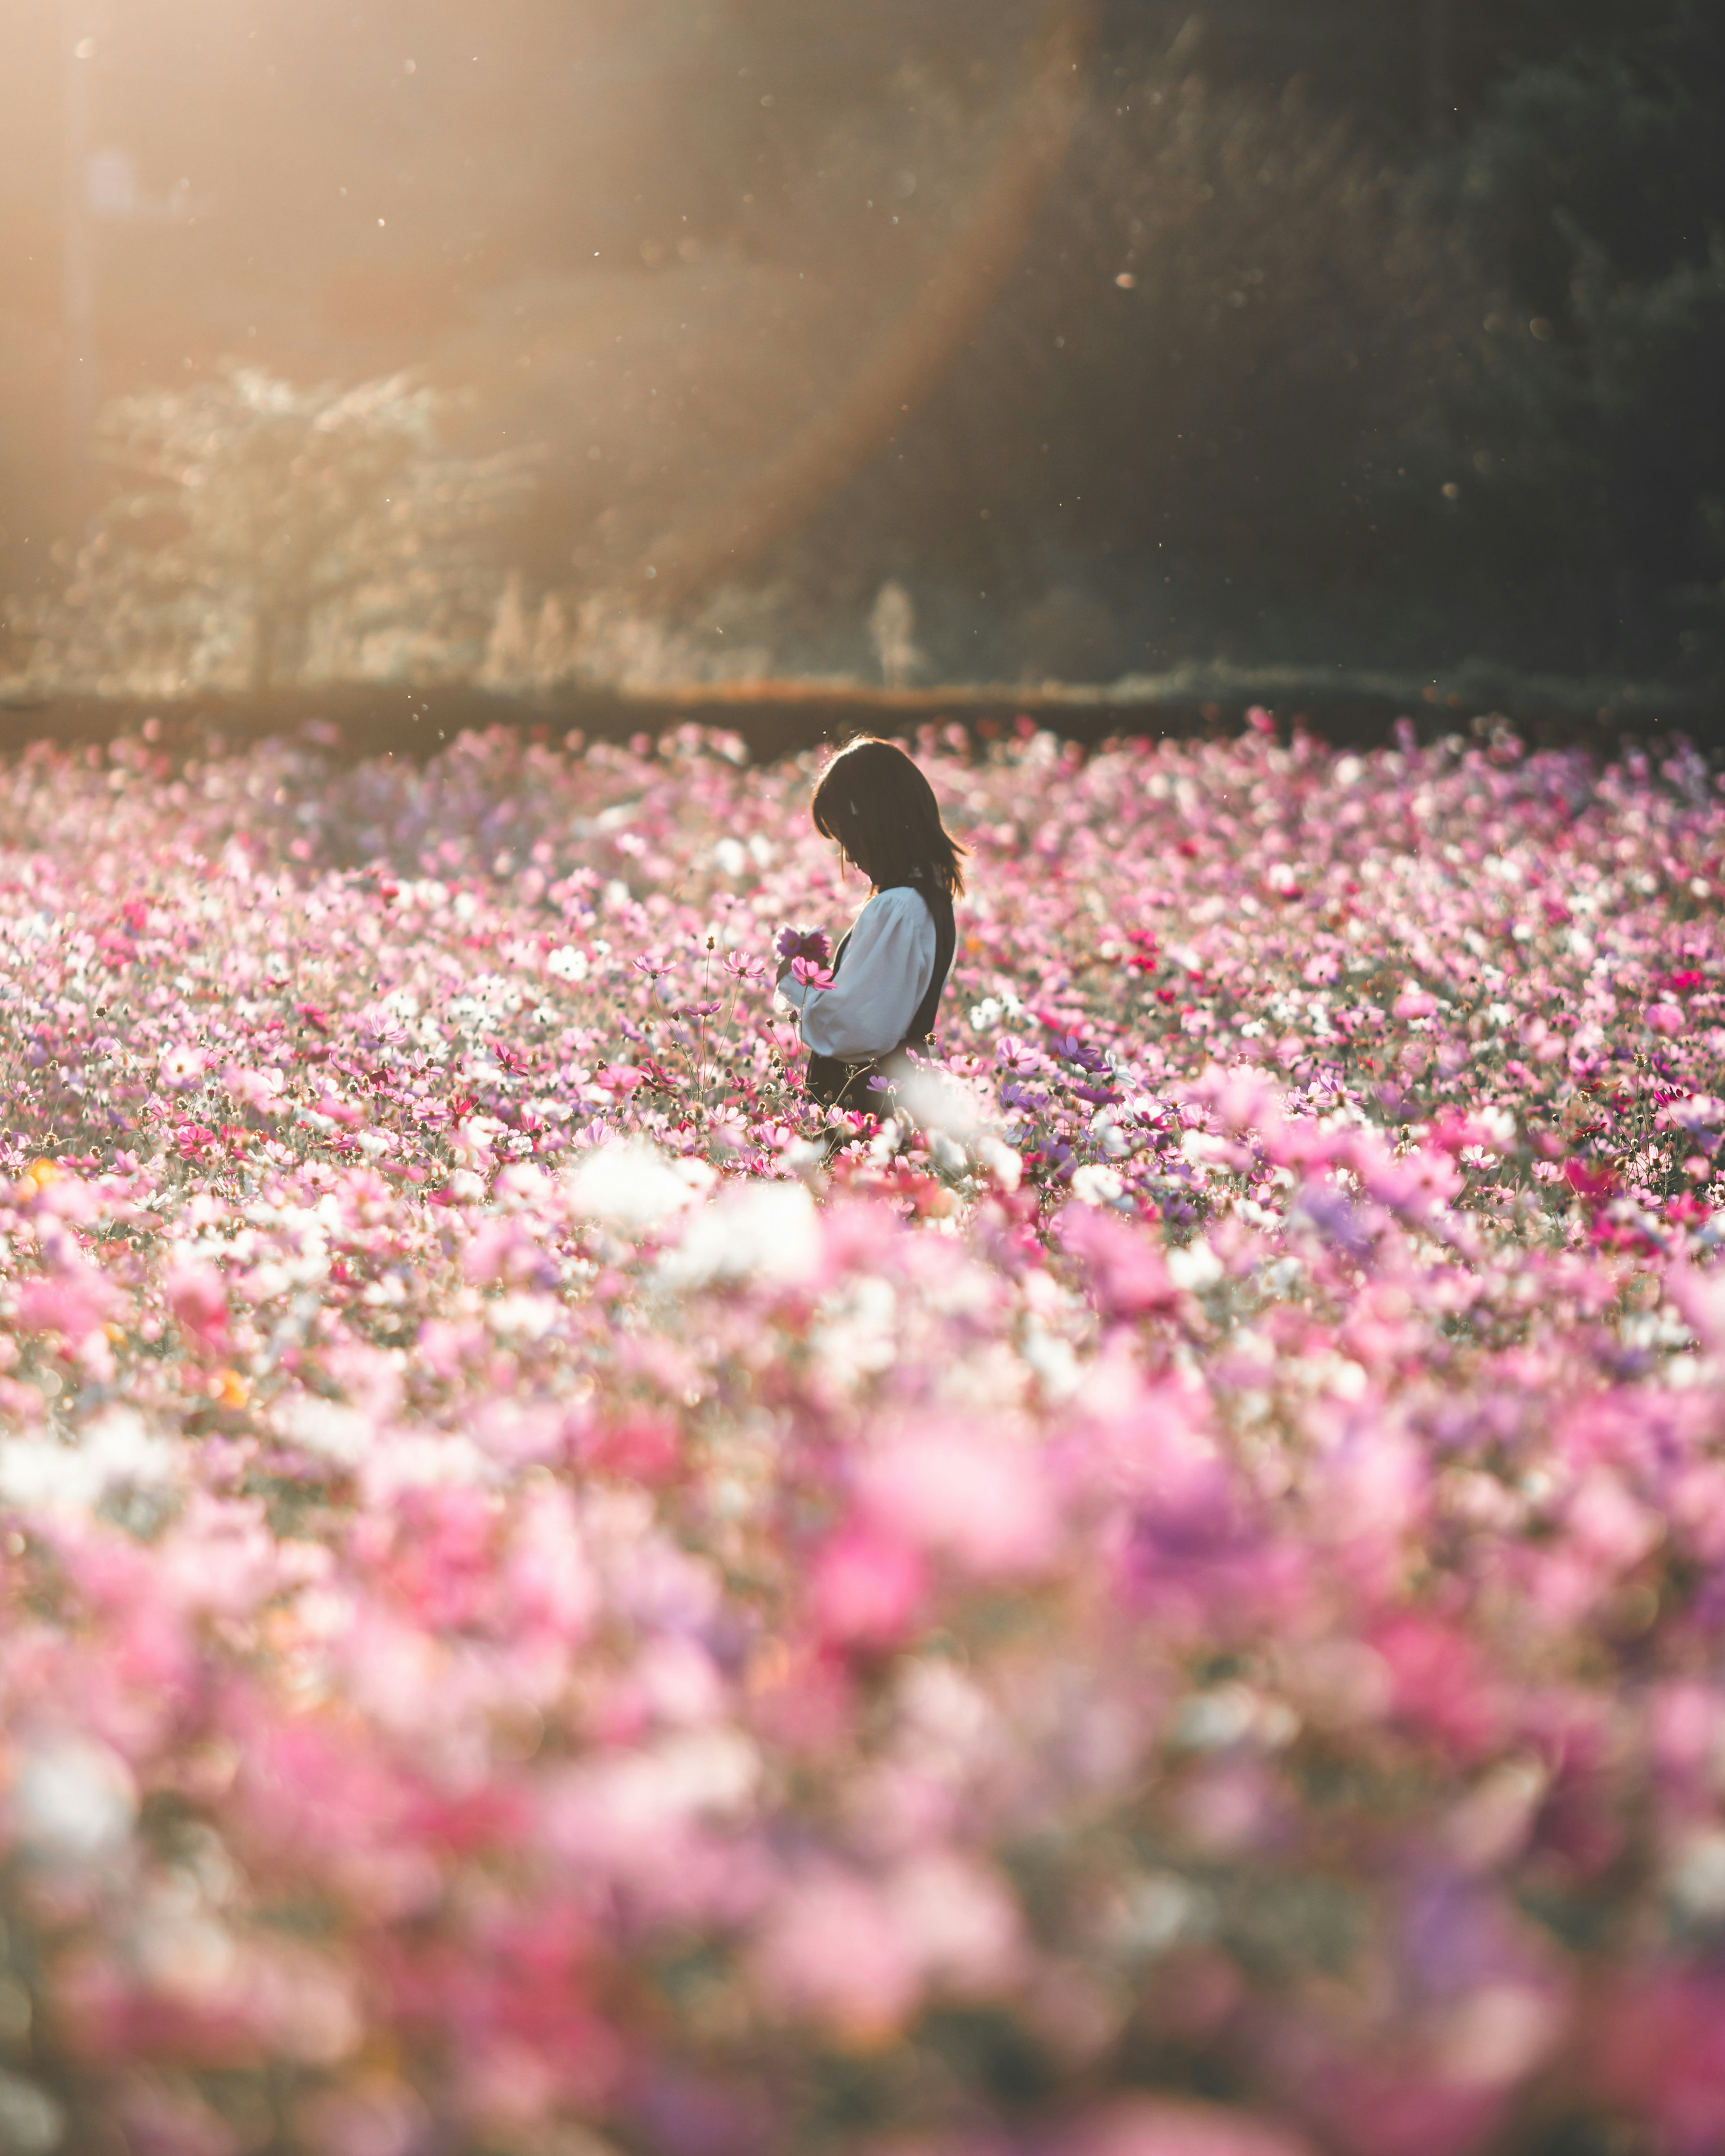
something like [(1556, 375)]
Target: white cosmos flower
[(73, 1800), (764, 1231), (634, 1187)]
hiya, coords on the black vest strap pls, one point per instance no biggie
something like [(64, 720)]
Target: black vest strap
[(946, 944)]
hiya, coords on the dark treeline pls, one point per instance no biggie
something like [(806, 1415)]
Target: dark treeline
[(1409, 363)]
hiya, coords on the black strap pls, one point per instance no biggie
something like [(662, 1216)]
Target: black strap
[(946, 943)]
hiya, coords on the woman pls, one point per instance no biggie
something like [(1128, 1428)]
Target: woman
[(887, 976)]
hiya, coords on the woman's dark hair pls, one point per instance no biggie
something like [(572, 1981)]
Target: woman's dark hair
[(873, 799)]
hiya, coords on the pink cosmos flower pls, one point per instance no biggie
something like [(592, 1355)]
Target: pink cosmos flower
[(985, 1502), (1128, 1275), (833, 1950), (551, 1581), (198, 1296), (76, 1300), (866, 1587), (1438, 1685)]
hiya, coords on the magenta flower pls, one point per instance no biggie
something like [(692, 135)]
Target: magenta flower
[(803, 943)]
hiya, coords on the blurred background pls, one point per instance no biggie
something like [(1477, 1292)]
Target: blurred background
[(919, 340)]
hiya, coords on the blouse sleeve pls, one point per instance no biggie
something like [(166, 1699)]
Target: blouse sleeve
[(888, 965)]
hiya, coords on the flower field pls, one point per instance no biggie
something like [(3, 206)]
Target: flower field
[(553, 1603)]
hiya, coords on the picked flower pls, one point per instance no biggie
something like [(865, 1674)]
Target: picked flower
[(803, 943)]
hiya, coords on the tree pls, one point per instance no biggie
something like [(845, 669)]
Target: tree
[(270, 534)]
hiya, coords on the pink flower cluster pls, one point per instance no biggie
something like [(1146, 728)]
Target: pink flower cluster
[(553, 1599)]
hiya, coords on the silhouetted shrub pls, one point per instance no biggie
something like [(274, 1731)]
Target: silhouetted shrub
[(269, 534)]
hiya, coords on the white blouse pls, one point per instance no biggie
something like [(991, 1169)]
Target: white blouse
[(889, 963)]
